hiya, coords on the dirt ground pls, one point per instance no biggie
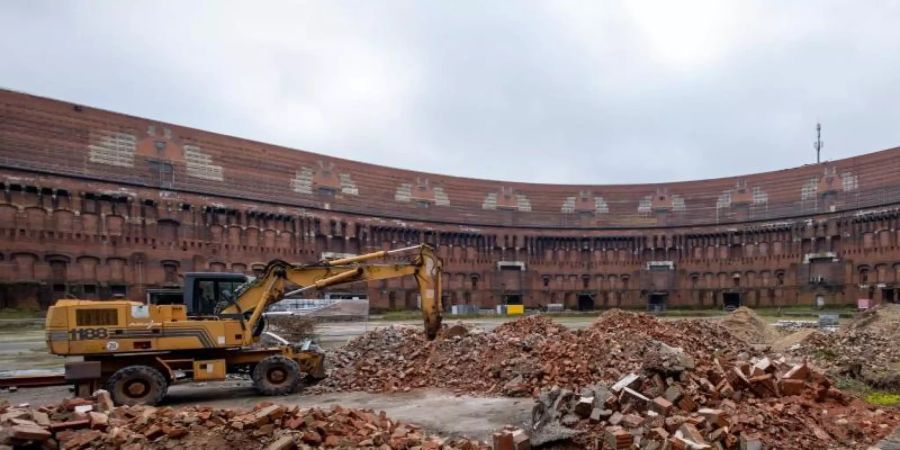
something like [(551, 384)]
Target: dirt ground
[(438, 410), (23, 350)]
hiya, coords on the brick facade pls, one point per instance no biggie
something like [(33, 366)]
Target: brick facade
[(94, 203)]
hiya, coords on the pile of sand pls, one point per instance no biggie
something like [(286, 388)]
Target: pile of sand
[(747, 325), (799, 337)]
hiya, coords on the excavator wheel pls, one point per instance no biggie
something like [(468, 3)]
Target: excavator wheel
[(134, 385), (276, 375)]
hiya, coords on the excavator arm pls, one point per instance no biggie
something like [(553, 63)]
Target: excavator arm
[(253, 300)]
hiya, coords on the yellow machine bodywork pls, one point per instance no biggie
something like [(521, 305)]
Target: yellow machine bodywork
[(111, 335), (83, 327)]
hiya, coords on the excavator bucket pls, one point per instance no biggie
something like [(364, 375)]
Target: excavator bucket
[(428, 276)]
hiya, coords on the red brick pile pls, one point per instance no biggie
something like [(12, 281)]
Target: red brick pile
[(83, 424), (521, 357), (766, 404)]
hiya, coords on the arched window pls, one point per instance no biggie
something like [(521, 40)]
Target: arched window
[(170, 272)]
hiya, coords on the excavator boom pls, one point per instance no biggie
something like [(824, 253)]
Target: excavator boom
[(270, 288)]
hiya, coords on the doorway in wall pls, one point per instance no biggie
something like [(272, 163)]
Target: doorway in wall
[(657, 301), (585, 302), (512, 299), (889, 295), (731, 300)]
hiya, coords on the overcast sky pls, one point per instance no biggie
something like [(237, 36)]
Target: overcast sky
[(552, 91)]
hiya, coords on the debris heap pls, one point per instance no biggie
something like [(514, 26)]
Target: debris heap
[(763, 404), (865, 349), (81, 424), (520, 358), (294, 328)]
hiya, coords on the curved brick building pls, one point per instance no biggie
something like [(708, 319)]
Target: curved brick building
[(94, 203)]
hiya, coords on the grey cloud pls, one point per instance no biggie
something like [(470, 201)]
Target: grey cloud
[(562, 92)]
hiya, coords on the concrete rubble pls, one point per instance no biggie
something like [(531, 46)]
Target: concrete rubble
[(866, 349), (95, 424)]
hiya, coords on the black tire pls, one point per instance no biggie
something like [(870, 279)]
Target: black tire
[(276, 375), (137, 385)]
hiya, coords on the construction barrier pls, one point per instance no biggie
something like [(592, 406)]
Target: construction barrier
[(515, 310)]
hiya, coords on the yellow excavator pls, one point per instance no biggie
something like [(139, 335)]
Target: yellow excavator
[(137, 350)]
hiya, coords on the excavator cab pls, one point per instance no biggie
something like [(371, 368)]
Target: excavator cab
[(203, 294)]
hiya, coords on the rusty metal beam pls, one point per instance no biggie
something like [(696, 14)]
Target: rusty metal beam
[(36, 381)]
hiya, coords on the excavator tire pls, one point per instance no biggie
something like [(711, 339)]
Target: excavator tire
[(276, 375), (137, 385)]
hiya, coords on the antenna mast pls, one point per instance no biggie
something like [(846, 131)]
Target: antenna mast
[(818, 144)]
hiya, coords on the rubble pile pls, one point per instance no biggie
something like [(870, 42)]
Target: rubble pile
[(864, 354), (293, 328), (698, 338), (521, 357), (83, 423), (747, 404), (865, 349)]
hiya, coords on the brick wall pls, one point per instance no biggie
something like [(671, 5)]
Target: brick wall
[(94, 203)]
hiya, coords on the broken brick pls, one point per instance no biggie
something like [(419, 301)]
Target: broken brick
[(788, 386), (154, 432), (584, 406), (29, 433), (798, 372), (661, 405), (617, 438), (99, 421)]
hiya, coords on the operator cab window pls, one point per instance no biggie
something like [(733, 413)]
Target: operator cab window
[(210, 293), (204, 297)]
